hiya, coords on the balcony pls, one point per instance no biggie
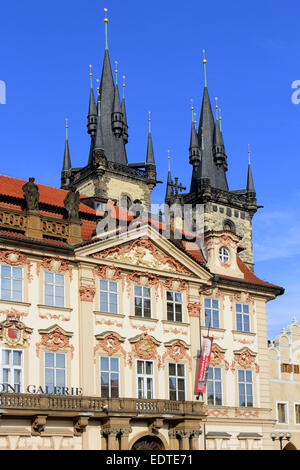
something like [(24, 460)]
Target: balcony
[(22, 404)]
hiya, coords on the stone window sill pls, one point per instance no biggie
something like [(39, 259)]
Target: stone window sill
[(53, 307), (133, 317)]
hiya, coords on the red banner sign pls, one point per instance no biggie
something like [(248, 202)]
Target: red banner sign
[(204, 364)]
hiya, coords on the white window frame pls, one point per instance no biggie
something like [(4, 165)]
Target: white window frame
[(55, 368), (214, 380), (11, 280), (54, 285), (174, 303), (108, 296), (286, 403), (177, 376), (211, 309), (12, 367), (144, 376), (243, 314), (224, 255), (142, 297), (109, 372), (296, 404), (245, 383)]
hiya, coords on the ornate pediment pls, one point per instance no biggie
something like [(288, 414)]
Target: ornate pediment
[(142, 252)]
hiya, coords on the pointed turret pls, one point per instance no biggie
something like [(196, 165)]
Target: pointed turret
[(117, 115), (92, 114), (150, 153), (206, 134), (99, 143), (219, 156), (67, 158), (195, 158), (170, 188), (250, 182)]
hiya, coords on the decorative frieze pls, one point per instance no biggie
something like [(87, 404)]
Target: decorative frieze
[(245, 359), (144, 347), (177, 350)]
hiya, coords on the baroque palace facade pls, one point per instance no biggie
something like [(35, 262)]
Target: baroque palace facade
[(103, 306)]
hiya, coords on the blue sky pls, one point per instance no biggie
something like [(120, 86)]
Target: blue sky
[(253, 57)]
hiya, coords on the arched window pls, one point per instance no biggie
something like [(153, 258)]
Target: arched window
[(229, 225)]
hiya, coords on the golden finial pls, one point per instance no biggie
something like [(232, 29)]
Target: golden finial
[(149, 120), (220, 119), (98, 87), (216, 98), (123, 86), (192, 108), (67, 126), (169, 158), (105, 15), (249, 153), (116, 70), (204, 63), (91, 75)]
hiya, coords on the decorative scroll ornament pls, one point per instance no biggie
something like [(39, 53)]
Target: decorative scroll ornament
[(110, 342), (145, 346), (218, 357), (55, 264), (16, 258), (108, 272), (245, 359), (142, 252), (87, 293), (142, 279), (55, 339), (13, 332), (177, 350)]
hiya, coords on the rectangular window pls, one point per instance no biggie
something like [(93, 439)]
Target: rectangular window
[(176, 382), (174, 306), (214, 386), (282, 413), (11, 283), (109, 377), (54, 289), (296, 369), (145, 379), (12, 370), (297, 413), (142, 301), (211, 313), (242, 317), (245, 388), (55, 372), (108, 296), (286, 368)]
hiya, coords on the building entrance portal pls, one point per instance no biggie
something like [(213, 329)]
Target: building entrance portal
[(148, 443)]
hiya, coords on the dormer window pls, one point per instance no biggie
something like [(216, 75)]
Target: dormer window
[(224, 255)]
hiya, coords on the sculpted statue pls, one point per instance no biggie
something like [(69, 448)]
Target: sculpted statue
[(31, 194), (71, 203)]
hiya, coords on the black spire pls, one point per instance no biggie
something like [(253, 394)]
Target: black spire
[(219, 158), (250, 182), (150, 153), (205, 136), (170, 186), (67, 158), (117, 115), (123, 109), (195, 158)]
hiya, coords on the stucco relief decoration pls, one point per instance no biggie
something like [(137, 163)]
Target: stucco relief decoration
[(54, 340), (13, 332), (142, 252), (87, 293), (55, 264), (247, 413), (110, 343), (215, 412), (218, 357), (16, 258), (142, 279), (194, 309), (177, 351), (112, 273), (245, 359), (145, 347), (244, 298)]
